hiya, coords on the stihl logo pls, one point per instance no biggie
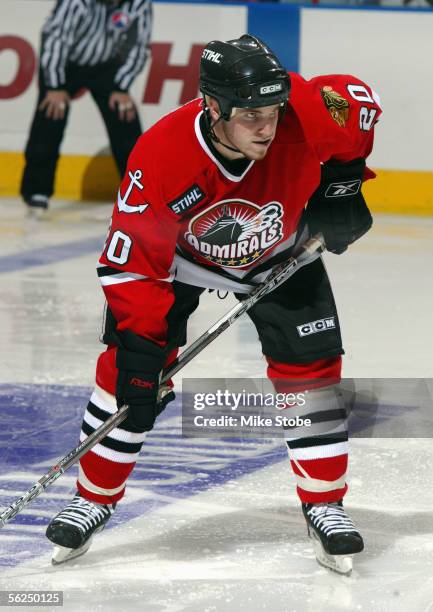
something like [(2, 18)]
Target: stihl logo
[(212, 56), (316, 326), (346, 188), (146, 384)]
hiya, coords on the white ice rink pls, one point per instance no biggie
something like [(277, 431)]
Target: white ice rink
[(208, 525)]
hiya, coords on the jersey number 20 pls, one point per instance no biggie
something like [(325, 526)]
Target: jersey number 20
[(366, 114)]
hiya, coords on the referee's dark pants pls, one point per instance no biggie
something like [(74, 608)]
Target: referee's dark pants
[(46, 135)]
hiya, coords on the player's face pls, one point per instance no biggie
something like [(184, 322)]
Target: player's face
[(251, 130)]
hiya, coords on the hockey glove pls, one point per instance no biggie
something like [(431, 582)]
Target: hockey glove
[(138, 381), (337, 208)]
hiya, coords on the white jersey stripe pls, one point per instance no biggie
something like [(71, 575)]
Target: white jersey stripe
[(122, 435), (112, 455), (319, 452), (126, 277), (315, 485), (89, 486)]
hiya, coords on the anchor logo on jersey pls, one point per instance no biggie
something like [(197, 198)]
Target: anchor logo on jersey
[(235, 233), (122, 202)]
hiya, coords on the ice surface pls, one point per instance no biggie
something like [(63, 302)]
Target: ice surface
[(208, 525)]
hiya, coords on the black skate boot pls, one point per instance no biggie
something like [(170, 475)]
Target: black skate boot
[(72, 529), (37, 205), (335, 538)]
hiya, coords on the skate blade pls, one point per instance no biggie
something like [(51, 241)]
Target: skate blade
[(36, 214), (61, 554), (341, 564)]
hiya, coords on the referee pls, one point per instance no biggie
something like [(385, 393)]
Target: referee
[(101, 45)]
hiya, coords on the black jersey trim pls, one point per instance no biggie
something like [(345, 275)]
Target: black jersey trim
[(209, 152), (321, 440), (115, 445), (108, 271)]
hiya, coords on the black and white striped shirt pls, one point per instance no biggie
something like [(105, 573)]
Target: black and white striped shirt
[(90, 32)]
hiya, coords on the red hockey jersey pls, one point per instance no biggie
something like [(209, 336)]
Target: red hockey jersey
[(181, 214)]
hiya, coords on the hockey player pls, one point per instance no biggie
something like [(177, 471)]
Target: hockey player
[(213, 197)]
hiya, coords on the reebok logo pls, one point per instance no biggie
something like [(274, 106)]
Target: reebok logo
[(345, 188), (139, 382), (316, 326)]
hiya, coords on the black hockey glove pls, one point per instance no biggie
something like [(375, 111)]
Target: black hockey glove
[(337, 208), (139, 367)]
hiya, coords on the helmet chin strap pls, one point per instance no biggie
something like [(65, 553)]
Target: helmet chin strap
[(214, 137)]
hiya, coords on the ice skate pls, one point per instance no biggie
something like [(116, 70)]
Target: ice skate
[(335, 538), (37, 206), (72, 530)]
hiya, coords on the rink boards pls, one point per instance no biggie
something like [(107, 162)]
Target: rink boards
[(381, 46)]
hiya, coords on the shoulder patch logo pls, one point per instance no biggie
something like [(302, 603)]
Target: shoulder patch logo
[(187, 200), (337, 106), (122, 202)]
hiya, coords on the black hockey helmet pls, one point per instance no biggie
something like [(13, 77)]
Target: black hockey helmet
[(243, 73)]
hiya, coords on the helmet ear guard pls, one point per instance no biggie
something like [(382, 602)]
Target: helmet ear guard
[(243, 73)]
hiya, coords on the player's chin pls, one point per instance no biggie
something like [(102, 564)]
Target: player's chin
[(258, 150), (257, 155)]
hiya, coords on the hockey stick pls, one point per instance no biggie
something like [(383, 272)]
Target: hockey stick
[(278, 276)]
